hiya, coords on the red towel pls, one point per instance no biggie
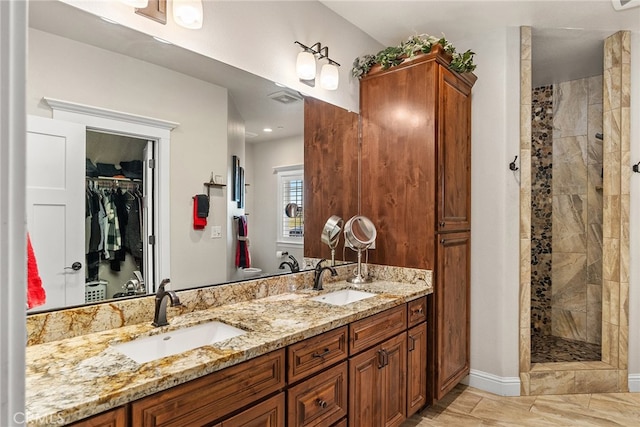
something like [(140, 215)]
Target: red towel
[(243, 259), (35, 292), (199, 222)]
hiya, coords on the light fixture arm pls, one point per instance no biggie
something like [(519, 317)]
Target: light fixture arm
[(317, 50)]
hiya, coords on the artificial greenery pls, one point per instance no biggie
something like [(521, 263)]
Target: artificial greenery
[(414, 45)]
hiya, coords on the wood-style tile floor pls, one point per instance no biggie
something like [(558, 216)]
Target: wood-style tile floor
[(466, 406)]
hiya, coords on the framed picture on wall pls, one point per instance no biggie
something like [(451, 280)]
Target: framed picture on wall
[(241, 199), (235, 194)]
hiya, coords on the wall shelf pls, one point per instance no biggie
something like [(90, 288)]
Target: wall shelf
[(214, 185)]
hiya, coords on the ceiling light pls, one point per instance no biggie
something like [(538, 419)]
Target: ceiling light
[(141, 4), (267, 130), (188, 13)]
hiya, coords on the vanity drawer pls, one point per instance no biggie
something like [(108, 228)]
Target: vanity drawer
[(207, 399), (368, 332), (417, 311), (320, 400), (314, 354)]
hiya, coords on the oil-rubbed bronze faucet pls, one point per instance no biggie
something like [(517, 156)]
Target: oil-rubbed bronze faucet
[(160, 317), (317, 278)]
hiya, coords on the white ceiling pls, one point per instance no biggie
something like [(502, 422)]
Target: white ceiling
[(250, 93), (567, 43), (567, 38)]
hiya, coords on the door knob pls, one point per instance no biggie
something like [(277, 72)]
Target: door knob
[(75, 266)]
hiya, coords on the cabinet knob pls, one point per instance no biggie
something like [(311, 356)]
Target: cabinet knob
[(321, 403)]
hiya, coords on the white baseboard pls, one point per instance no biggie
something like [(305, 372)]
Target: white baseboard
[(510, 386), (502, 386), (634, 383)]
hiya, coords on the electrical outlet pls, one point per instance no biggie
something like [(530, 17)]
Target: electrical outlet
[(216, 232)]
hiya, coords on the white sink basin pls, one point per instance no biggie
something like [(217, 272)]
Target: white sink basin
[(343, 297), (146, 349)]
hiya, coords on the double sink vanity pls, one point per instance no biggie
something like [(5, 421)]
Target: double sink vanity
[(271, 357)]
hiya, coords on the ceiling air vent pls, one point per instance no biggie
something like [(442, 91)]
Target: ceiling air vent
[(285, 96)]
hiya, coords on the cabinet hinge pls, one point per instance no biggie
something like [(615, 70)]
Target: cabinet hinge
[(152, 240)]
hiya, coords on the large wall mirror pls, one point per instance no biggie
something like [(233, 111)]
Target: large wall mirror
[(222, 113)]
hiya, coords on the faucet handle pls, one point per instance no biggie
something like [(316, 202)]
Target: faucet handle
[(162, 285)]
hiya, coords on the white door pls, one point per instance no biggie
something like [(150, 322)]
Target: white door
[(56, 207)]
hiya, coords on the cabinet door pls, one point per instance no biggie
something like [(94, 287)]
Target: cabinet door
[(416, 368), (364, 388), (452, 295), (269, 413), (393, 398), (454, 153), (113, 418), (377, 385)]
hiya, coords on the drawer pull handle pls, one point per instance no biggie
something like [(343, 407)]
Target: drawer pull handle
[(418, 311), (412, 342), (323, 354), (442, 224), (321, 403)]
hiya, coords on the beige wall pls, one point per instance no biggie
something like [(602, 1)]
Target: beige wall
[(76, 72)]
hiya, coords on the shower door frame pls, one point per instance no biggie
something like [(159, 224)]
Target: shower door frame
[(610, 374)]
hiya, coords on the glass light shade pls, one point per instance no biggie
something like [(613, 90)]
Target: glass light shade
[(329, 77), (306, 66), (140, 4), (188, 13)]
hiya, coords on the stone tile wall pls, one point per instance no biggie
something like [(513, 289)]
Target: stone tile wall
[(577, 210), (541, 208)]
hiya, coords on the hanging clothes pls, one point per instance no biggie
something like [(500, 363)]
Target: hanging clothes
[(35, 292), (243, 259)]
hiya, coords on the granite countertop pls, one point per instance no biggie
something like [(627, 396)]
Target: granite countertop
[(72, 379)]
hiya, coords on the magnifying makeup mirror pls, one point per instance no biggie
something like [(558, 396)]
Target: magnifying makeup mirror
[(359, 235), (331, 235)]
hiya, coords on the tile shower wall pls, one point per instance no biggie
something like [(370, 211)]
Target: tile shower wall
[(576, 294), (541, 208)]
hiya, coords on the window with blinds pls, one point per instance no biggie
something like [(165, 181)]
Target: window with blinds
[(290, 204)]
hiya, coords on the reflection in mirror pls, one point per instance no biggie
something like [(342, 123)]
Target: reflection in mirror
[(69, 49), (331, 235)]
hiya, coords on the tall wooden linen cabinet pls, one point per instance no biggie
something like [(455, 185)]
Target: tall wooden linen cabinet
[(416, 188)]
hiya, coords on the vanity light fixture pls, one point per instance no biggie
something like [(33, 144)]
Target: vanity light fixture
[(306, 67), (188, 13), (136, 3)]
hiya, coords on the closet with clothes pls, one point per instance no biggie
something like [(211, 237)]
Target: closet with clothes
[(114, 216)]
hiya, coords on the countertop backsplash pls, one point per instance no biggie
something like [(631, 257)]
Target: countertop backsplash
[(68, 323)]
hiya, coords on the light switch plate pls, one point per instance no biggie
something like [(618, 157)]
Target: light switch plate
[(216, 232)]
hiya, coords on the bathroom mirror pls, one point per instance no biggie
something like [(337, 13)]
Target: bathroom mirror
[(61, 34), (292, 210)]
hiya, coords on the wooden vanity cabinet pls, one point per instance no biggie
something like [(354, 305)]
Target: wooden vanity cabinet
[(417, 381), (205, 400), (416, 180), (320, 397), (377, 384), (113, 418), (269, 413)]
